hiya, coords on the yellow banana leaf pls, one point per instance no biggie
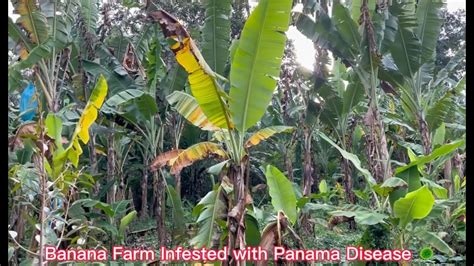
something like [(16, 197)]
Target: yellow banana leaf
[(90, 112), (266, 133), (195, 153), (187, 106), (89, 115), (165, 158), (201, 77)]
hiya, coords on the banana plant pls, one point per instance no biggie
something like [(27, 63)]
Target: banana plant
[(360, 48), (413, 56), (254, 66), (43, 43)]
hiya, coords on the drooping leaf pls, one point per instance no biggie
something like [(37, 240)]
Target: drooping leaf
[(142, 41), (216, 34), (444, 73), (439, 111), (439, 191), (351, 157), (187, 106), (256, 63), (353, 94), (17, 35), (130, 101), (165, 158), (89, 115), (443, 150), (217, 168), (195, 153), (435, 241), (201, 77), (333, 105), (415, 205), (283, 197), (266, 133), (362, 217), (412, 177), (174, 80)]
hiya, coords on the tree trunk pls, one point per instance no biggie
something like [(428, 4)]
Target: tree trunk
[(347, 166), (289, 166), (376, 146), (159, 188), (307, 177), (448, 166), (307, 165), (177, 179), (238, 175), (458, 164), (425, 135), (93, 161), (111, 168), (348, 182), (131, 198), (144, 209)]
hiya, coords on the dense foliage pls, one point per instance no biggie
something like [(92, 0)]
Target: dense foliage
[(190, 123)]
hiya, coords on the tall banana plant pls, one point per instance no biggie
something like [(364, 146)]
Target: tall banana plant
[(338, 103), (41, 38), (254, 66), (413, 56), (359, 47)]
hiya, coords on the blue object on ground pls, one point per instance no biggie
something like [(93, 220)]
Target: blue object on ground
[(28, 103)]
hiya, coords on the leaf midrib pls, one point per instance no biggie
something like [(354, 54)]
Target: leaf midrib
[(247, 92)]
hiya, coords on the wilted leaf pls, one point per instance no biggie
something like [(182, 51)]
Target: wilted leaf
[(266, 133), (195, 153), (164, 158)]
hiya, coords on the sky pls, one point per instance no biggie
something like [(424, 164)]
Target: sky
[(303, 46)]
